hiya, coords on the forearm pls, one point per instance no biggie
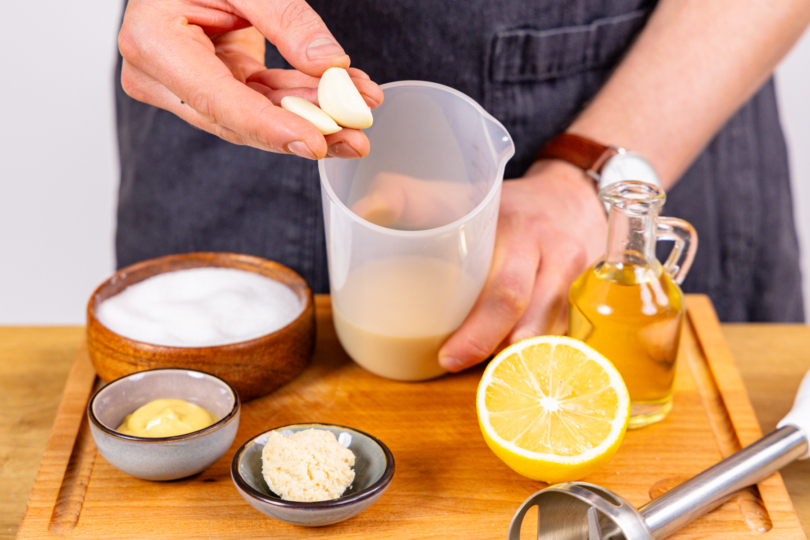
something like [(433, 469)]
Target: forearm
[(695, 63)]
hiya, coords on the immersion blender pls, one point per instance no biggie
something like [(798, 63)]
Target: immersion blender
[(582, 511)]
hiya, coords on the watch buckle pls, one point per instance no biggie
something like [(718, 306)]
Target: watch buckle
[(609, 152)]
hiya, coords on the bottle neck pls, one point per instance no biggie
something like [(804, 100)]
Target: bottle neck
[(632, 236)]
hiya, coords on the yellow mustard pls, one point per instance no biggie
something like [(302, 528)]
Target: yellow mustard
[(166, 418)]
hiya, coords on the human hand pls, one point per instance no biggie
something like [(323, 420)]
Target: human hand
[(551, 227), (204, 62), (402, 202)]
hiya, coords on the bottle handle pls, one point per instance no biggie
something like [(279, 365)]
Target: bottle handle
[(683, 252)]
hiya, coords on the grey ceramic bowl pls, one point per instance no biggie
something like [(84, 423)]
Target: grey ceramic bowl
[(373, 467), (163, 458)]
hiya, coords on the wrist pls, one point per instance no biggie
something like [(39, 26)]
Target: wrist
[(568, 183), (605, 164)]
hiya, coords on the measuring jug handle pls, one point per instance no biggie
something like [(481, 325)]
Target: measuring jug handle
[(683, 252)]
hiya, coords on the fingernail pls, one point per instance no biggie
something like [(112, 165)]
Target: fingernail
[(342, 150), (520, 335), (449, 363), (324, 48), (299, 148)]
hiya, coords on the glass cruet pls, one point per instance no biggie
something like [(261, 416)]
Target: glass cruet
[(629, 306)]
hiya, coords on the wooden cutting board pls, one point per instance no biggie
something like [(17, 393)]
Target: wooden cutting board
[(448, 484)]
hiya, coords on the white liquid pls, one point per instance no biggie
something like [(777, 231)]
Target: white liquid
[(200, 307), (392, 316)]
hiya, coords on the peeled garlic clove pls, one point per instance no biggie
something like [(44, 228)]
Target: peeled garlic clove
[(309, 111), (340, 99)]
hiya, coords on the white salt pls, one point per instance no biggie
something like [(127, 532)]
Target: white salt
[(200, 307)]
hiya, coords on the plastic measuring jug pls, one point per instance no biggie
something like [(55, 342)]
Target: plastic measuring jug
[(410, 229)]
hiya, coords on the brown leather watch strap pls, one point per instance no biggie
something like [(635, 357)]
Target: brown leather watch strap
[(584, 153)]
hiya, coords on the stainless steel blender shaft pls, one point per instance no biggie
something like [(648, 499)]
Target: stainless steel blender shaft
[(581, 511), (708, 490)]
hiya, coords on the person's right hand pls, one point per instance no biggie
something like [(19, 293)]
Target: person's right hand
[(204, 62)]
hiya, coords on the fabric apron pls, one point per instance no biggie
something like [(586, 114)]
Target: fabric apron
[(533, 64)]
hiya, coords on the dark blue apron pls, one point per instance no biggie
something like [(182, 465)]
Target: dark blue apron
[(533, 64)]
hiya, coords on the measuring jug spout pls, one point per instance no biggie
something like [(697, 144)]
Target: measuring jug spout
[(503, 148)]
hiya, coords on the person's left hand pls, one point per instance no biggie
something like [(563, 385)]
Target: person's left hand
[(402, 202), (551, 227)]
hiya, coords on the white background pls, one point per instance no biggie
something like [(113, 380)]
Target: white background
[(59, 164)]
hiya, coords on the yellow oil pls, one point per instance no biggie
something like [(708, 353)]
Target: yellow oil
[(632, 314)]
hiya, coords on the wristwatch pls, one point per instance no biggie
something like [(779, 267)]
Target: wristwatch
[(605, 164)]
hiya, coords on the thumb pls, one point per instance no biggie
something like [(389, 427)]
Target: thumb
[(298, 33)]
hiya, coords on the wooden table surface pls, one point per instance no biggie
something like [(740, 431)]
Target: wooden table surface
[(34, 364)]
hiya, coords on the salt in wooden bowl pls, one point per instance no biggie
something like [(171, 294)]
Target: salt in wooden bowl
[(254, 368)]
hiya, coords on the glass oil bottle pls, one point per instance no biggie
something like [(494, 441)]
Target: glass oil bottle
[(629, 306)]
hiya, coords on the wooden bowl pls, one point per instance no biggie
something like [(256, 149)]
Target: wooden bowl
[(254, 368)]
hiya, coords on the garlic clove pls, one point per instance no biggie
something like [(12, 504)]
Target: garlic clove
[(340, 99), (309, 111)]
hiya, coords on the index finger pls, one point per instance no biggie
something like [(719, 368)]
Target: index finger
[(143, 88)]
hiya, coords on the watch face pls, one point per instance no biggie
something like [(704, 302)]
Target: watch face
[(627, 166)]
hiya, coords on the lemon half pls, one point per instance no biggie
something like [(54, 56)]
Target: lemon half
[(552, 408)]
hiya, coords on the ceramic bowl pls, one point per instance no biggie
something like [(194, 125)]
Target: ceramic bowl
[(254, 368), (163, 458), (374, 469)]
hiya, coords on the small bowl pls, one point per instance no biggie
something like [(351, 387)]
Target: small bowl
[(163, 458), (255, 368), (374, 469)]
